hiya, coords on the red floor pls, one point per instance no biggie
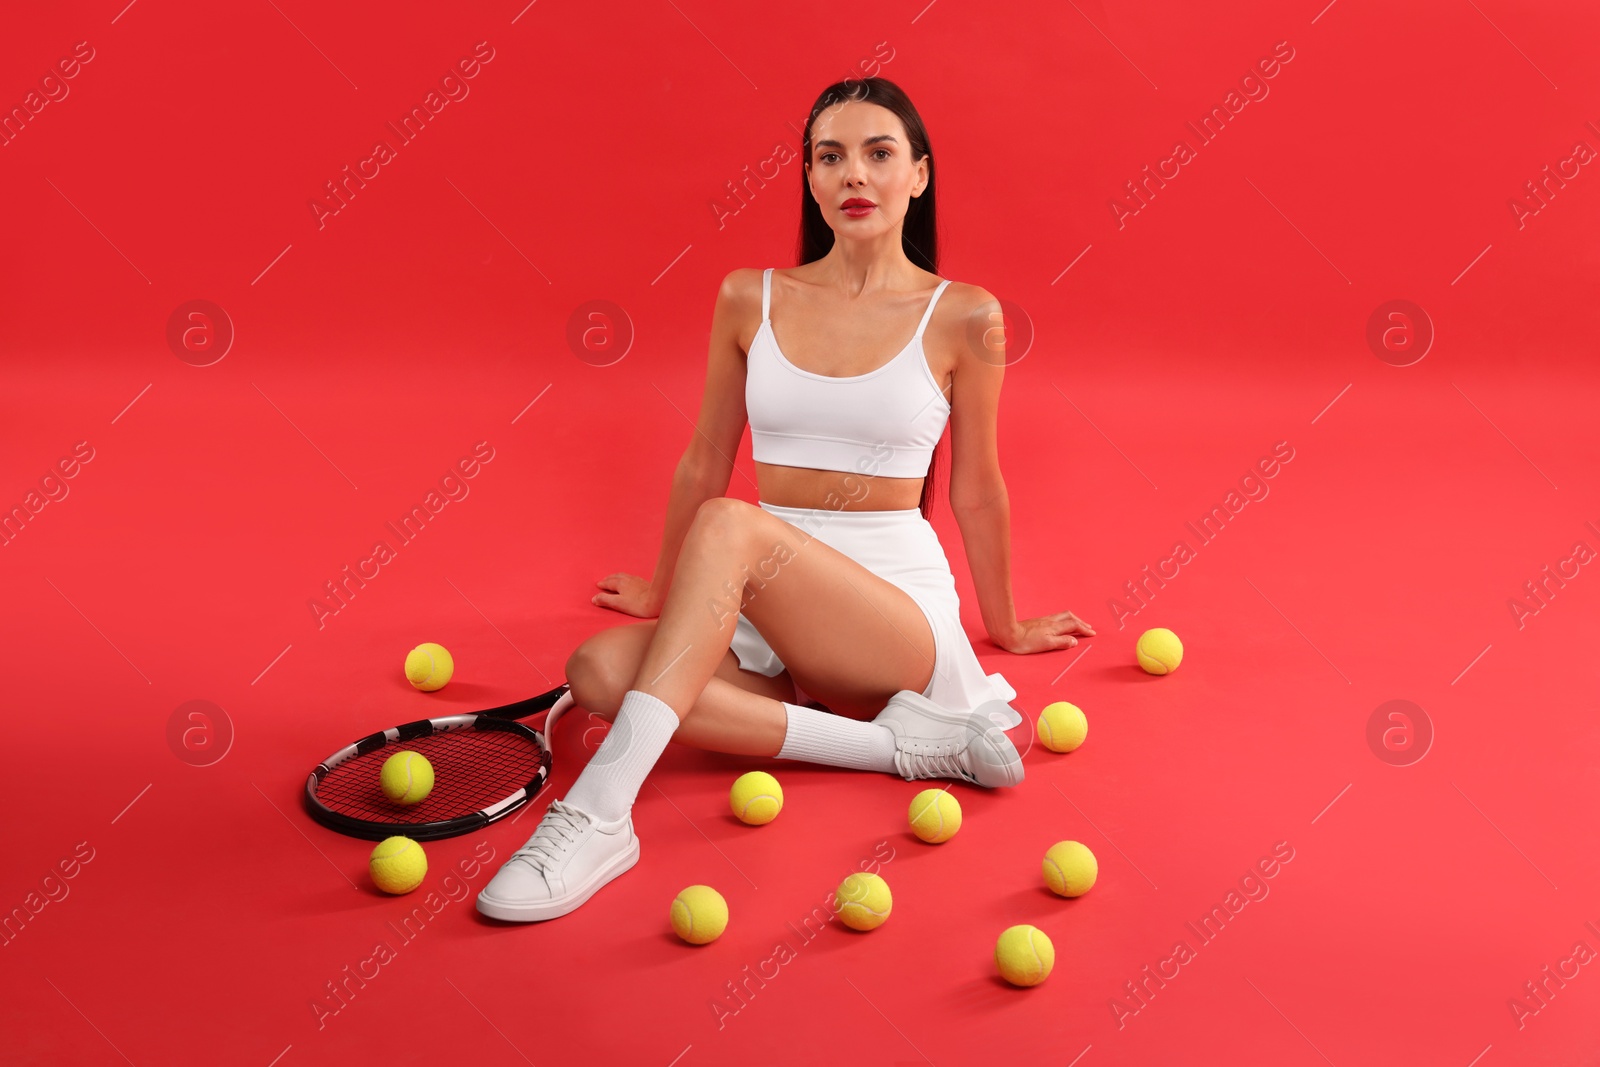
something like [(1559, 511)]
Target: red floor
[(206, 919)]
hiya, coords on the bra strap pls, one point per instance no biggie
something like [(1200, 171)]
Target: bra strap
[(926, 315), (766, 293)]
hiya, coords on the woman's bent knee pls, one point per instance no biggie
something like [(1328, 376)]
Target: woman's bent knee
[(599, 672), (721, 507), (721, 521)]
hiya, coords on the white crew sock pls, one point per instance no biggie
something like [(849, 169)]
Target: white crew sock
[(823, 737), (607, 787)]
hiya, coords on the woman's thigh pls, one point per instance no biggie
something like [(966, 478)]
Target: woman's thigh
[(847, 637), (608, 662)]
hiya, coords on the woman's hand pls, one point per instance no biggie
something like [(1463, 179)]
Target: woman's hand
[(627, 593), (1044, 634)]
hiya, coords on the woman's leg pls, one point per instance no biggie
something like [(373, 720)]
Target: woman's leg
[(856, 641), (853, 638), (861, 639), (738, 712)]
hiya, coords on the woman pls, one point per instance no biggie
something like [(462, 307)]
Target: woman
[(835, 586)]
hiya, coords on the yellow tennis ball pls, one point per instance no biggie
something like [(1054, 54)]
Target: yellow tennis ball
[(1024, 955), (398, 865), (406, 777), (756, 798), (1159, 650), (1062, 726), (699, 914), (429, 666), (935, 815), (1070, 869), (863, 901)]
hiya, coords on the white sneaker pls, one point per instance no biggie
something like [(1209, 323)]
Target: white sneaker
[(570, 855), (932, 741)]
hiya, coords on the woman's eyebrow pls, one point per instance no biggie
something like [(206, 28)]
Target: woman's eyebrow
[(870, 140)]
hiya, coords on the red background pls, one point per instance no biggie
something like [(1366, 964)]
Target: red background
[(587, 163)]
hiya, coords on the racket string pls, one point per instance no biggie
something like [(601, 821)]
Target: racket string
[(472, 769)]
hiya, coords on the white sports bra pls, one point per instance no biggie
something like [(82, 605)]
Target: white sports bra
[(884, 422)]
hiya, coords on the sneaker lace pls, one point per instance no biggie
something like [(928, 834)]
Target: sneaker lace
[(557, 831), (933, 764)]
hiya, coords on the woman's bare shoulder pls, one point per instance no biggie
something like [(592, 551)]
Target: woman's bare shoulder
[(739, 304), (963, 309), (740, 283), (967, 298)]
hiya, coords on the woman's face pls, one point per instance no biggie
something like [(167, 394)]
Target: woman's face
[(860, 152)]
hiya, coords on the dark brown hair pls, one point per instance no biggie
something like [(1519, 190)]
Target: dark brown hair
[(919, 236)]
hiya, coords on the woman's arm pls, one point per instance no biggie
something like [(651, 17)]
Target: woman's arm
[(691, 487), (978, 495), (986, 531), (706, 466)]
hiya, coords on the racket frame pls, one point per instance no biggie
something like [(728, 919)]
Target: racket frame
[(503, 718)]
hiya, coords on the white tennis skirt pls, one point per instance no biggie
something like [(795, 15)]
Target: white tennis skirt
[(902, 548)]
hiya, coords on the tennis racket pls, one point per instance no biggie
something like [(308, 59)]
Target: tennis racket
[(486, 765)]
